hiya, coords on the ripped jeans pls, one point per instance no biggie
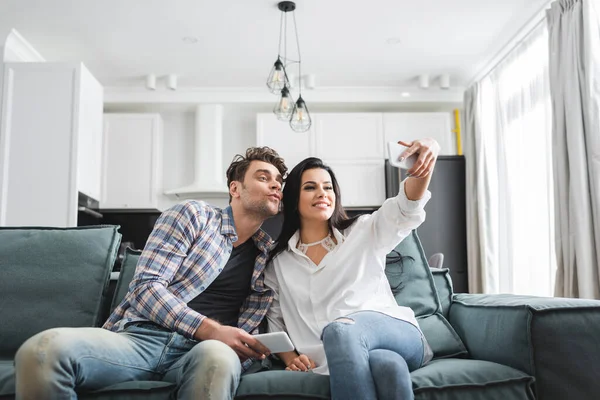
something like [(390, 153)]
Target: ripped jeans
[(370, 356), (55, 363)]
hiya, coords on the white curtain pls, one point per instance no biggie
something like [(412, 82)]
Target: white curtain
[(574, 27), (509, 174)]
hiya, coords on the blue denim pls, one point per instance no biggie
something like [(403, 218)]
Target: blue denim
[(370, 356), (55, 363)]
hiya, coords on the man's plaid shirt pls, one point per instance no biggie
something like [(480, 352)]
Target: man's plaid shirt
[(188, 248)]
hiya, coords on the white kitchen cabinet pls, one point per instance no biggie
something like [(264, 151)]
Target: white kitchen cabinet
[(419, 125), (349, 143), (89, 144), (50, 142), (292, 146), (131, 162), (362, 183), (345, 136)]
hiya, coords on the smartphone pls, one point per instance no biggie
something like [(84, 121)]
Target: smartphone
[(394, 151), (276, 342)]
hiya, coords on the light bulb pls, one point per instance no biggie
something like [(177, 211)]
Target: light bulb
[(277, 78), (284, 104)]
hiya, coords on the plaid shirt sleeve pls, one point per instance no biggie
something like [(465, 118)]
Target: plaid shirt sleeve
[(163, 255)]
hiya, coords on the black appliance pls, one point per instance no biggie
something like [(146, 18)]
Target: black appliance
[(445, 227), (87, 210)]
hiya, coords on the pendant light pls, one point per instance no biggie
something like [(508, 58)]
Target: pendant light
[(300, 120), (278, 82), (277, 78), (285, 106)]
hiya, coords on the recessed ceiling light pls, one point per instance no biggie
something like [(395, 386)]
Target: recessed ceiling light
[(393, 40), (190, 40), (405, 94)]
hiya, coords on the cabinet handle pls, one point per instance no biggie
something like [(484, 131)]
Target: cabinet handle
[(91, 212)]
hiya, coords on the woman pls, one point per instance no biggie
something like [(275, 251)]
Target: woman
[(331, 292)]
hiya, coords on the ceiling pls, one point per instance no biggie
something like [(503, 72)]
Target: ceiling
[(379, 43)]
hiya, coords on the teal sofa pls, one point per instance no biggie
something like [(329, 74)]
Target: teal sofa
[(485, 346)]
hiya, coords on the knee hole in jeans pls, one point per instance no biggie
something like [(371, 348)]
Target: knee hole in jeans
[(337, 329)]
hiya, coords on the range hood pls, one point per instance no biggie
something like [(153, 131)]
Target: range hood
[(209, 176)]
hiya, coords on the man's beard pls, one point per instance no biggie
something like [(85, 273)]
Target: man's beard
[(259, 208)]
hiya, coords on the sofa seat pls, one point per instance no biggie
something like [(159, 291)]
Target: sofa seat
[(458, 379), (447, 379)]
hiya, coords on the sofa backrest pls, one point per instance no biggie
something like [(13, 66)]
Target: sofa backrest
[(413, 286), (52, 277)]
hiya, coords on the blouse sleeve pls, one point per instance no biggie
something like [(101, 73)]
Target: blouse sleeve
[(396, 218), (274, 315)]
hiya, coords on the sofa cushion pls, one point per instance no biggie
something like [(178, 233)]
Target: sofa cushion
[(52, 277), (143, 390), (455, 379), (7, 377), (412, 284), (128, 265), (287, 385)]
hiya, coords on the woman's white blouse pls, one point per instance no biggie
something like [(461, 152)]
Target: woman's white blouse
[(350, 278)]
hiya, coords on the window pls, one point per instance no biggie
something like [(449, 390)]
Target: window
[(516, 132)]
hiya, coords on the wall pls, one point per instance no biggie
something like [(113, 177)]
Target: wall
[(239, 133)]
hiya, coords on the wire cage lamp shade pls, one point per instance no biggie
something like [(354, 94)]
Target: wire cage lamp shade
[(285, 106), (300, 120), (286, 109), (277, 78)]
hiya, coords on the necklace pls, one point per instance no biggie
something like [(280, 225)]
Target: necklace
[(327, 242)]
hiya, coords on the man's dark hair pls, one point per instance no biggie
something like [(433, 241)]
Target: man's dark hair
[(291, 197), (239, 166)]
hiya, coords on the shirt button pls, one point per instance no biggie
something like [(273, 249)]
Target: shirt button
[(220, 269), (201, 287)]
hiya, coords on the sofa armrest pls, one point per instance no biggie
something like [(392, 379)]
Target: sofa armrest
[(556, 340)]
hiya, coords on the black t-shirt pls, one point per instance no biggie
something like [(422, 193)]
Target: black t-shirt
[(224, 297)]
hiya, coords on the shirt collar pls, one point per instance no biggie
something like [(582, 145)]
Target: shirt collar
[(262, 240), (227, 225), (293, 242)]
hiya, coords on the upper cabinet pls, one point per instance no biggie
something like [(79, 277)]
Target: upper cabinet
[(354, 145), (131, 166), (349, 143), (292, 146), (411, 126), (351, 137), (50, 142)]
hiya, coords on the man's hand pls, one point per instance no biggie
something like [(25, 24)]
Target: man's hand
[(243, 343), (428, 150), (301, 363)]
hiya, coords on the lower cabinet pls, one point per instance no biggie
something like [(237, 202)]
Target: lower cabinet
[(131, 162)]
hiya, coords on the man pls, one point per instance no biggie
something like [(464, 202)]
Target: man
[(196, 298)]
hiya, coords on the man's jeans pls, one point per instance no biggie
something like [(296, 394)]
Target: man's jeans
[(55, 363), (370, 356)]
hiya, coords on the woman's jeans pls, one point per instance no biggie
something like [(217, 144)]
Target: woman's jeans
[(370, 356), (55, 363)]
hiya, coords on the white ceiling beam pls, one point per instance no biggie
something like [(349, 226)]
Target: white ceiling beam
[(130, 95)]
